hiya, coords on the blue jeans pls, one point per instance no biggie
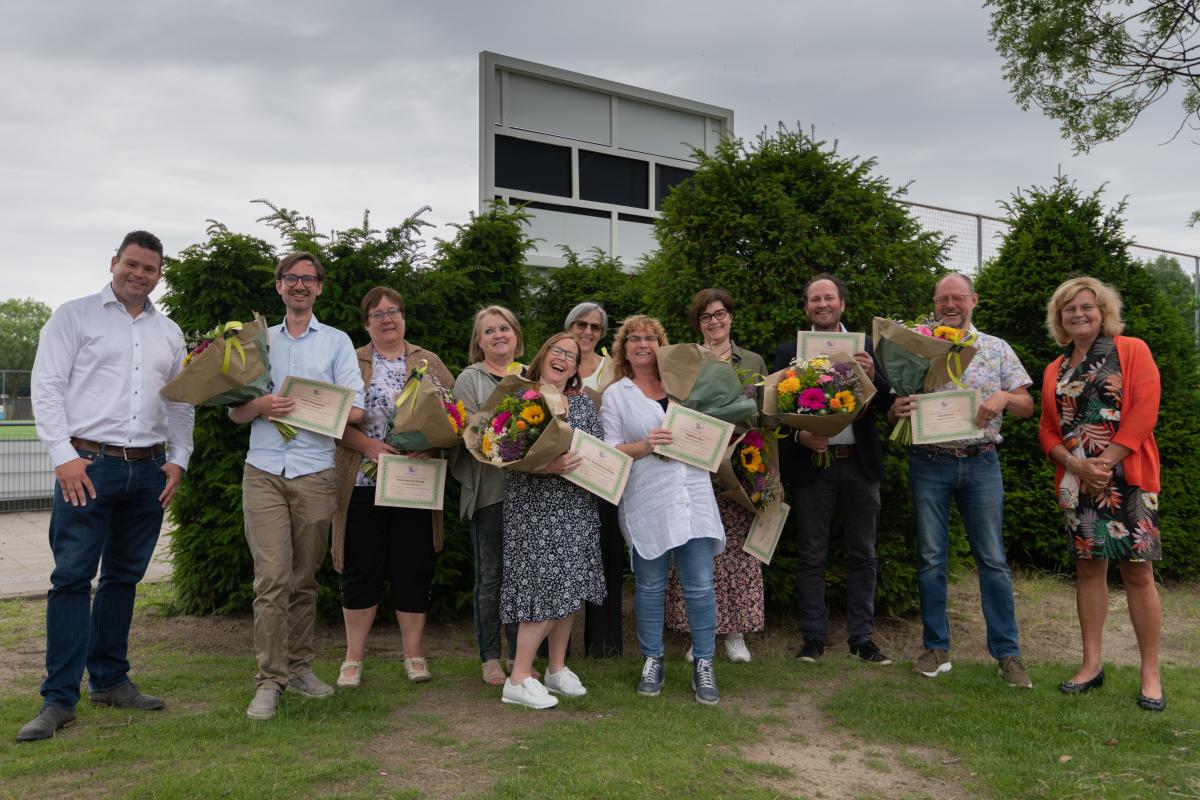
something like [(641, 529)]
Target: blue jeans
[(487, 537), (974, 483), (115, 532), (694, 562)]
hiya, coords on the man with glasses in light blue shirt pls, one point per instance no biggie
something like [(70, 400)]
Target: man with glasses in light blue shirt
[(288, 496)]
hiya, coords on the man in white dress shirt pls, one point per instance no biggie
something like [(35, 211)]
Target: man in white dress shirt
[(119, 451)]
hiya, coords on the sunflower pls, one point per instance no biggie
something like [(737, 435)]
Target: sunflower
[(948, 333), (751, 459), (533, 414), (845, 401)]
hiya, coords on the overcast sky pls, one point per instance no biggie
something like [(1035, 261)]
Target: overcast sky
[(123, 115)]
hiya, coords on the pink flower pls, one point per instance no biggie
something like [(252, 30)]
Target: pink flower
[(530, 394), (824, 379), (754, 439), (924, 330), (812, 399), (500, 420)]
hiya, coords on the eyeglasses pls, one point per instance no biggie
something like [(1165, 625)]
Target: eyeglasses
[(558, 352), (641, 339), (946, 299), (718, 315), (390, 313), (292, 280), (583, 326)]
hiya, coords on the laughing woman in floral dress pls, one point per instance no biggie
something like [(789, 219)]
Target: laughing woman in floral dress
[(1099, 408), (551, 544)]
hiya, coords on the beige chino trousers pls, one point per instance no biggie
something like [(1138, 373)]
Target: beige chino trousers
[(287, 528)]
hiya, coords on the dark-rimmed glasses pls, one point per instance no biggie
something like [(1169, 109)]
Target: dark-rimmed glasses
[(718, 315), (292, 280)]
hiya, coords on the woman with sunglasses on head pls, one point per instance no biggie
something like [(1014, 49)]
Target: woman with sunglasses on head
[(602, 634), (496, 343), (372, 543), (737, 575), (551, 544), (668, 511)]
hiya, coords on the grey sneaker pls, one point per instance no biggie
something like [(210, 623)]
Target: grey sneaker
[(309, 685), (127, 696), (49, 720), (1013, 672), (932, 663), (651, 682), (704, 683), (264, 704)]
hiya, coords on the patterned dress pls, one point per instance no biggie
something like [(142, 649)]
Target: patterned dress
[(737, 580), (552, 558), (1121, 524)]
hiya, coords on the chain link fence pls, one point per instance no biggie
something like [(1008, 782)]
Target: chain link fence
[(975, 239)]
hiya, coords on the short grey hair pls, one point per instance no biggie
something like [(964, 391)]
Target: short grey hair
[(587, 308)]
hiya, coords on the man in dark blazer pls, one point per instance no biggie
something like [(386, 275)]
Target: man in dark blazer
[(849, 485)]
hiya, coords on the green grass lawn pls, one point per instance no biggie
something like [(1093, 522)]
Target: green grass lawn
[(17, 431), (966, 731)]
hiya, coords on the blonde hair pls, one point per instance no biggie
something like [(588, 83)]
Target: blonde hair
[(1107, 300), (475, 352), (621, 366)]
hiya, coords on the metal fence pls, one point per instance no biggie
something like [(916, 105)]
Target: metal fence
[(26, 474), (975, 239), (14, 394)]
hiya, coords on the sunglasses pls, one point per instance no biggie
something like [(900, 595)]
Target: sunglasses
[(584, 326)]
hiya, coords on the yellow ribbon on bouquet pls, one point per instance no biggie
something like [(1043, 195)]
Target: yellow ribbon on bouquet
[(228, 332), (412, 384), (954, 367)]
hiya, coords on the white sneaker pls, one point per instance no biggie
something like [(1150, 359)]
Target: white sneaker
[(565, 682), (529, 693), (688, 657), (736, 650)]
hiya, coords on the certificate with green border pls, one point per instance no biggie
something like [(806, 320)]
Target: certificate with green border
[(605, 469), (945, 416), (403, 482), (320, 407), (699, 439), (765, 531), (812, 344)]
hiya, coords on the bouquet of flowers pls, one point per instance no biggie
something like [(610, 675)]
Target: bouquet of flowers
[(920, 356), (522, 426), (749, 473), (693, 377), (228, 366), (426, 415), (822, 395)]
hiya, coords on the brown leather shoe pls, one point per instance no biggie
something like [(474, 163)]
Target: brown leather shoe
[(49, 720)]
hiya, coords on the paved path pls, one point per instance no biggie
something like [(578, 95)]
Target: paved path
[(26, 561)]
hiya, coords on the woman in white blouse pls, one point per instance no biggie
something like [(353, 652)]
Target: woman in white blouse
[(667, 511)]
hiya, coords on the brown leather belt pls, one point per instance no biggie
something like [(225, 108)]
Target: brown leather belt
[(842, 450), (127, 453), (959, 452)]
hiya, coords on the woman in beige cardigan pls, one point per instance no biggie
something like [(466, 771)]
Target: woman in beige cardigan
[(373, 543)]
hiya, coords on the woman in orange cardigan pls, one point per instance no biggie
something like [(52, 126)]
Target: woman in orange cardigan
[(1099, 407)]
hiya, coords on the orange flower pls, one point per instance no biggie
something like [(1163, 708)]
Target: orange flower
[(521, 425)]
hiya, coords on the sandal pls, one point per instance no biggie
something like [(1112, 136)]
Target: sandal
[(493, 673), (416, 670), (345, 681)]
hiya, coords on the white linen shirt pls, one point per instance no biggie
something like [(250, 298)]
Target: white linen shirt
[(97, 376), (321, 353), (666, 503)]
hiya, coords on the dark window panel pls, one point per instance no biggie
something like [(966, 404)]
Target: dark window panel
[(583, 212), (635, 218), (613, 179), (533, 166), (665, 179)]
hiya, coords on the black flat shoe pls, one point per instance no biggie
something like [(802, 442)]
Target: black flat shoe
[(1067, 687), (1152, 703)]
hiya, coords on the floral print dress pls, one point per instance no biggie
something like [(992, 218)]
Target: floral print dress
[(1121, 524)]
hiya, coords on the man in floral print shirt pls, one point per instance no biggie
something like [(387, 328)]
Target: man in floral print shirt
[(968, 472)]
